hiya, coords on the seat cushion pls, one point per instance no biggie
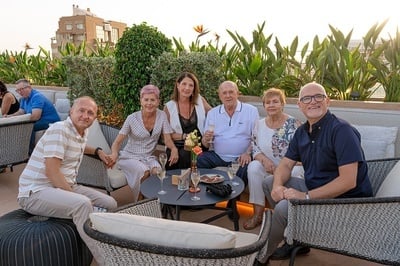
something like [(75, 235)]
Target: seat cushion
[(163, 232), (377, 141), (117, 177), (390, 186), (96, 137)]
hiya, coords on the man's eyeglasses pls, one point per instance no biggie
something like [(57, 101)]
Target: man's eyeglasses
[(317, 97), (20, 89)]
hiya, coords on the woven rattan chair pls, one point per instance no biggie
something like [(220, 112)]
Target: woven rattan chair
[(366, 228), (127, 252), (14, 143), (92, 171)]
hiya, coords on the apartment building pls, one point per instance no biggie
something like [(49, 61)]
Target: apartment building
[(84, 25)]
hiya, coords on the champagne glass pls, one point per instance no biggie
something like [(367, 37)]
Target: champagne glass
[(234, 168), (211, 128), (231, 174), (161, 175), (163, 159), (195, 176)]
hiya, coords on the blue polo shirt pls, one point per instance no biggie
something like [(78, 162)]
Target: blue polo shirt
[(37, 100), (332, 143)]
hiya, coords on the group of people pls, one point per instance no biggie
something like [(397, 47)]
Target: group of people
[(280, 158), (32, 102)]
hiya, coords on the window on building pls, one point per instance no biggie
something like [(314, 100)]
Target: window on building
[(68, 26), (114, 35), (79, 26), (100, 33)]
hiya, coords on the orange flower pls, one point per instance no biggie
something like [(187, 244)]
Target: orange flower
[(11, 59), (198, 28), (197, 150)]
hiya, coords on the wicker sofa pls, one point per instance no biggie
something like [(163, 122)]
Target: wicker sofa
[(121, 251), (14, 141), (366, 228)]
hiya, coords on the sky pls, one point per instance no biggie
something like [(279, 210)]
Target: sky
[(35, 22)]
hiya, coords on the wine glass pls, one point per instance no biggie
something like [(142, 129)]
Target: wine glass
[(234, 168), (231, 174), (161, 175), (162, 157), (195, 176), (211, 127)]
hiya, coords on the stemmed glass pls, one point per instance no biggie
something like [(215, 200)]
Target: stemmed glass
[(161, 175), (211, 127), (231, 174), (195, 176), (234, 167), (162, 157)]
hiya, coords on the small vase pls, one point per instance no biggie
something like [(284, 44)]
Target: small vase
[(193, 164)]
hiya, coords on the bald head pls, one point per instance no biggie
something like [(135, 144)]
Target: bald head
[(312, 86)]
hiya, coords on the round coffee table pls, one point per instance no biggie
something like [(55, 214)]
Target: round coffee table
[(177, 198)]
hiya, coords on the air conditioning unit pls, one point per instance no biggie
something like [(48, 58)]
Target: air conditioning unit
[(107, 27)]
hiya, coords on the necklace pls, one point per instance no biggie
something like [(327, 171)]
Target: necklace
[(185, 110)]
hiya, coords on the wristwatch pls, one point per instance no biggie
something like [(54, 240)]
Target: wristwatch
[(96, 151), (307, 196)]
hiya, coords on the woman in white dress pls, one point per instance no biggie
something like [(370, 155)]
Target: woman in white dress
[(270, 142), (143, 130)]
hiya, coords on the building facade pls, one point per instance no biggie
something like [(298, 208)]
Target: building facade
[(84, 26)]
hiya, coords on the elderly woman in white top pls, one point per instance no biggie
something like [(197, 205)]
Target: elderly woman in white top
[(271, 140), (143, 130), (186, 112)]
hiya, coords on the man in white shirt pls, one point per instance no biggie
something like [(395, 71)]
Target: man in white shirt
[(234, 122)]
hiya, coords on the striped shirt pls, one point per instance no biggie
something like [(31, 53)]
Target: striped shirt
[(62, 141)]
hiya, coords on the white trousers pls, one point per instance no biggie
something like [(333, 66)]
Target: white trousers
[(59, 203)]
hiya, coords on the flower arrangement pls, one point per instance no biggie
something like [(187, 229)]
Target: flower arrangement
[(193, 144)]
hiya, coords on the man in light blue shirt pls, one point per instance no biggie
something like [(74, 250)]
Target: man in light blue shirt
[(233, 129)]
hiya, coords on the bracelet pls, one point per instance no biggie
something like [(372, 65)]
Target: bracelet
[(96, 151)]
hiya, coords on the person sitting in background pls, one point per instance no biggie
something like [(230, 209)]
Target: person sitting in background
[(334, 166), (271, 140), (143, 130), (47, 185), (233, 122), (186, 112), (8, 102), (41, 109)]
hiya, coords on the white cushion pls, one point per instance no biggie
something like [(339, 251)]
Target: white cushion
[(164, 232), (377, 141), (117, 177), (96, 137), (62, 107), (14, 119), (391, 185)]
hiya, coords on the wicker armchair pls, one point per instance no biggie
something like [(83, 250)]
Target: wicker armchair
[(365, 228), (14, 143), (92, 172), (127, 252)]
